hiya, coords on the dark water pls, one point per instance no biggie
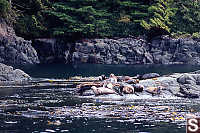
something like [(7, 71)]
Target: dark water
[(60, 110), (65, 71)]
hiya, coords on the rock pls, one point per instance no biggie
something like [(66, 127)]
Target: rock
[(133, 51), (189, 79), (67, 56), (15, 50), (149, 58), (195, 72), (188, 92), (58, 49), (8, 73), (150, 75), (162, 50)]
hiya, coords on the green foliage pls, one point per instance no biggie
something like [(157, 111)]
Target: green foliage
[(187, 18), (180, 35), (29, 26), (6, 11), (77, 19), (160, 13), (4, 8), (71, 21), (31, 21), (196, 35)]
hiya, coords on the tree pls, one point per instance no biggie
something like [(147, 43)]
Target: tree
[(77, 19), (4, 8), (30, 21), (6, 12), (71, 19), (187, 18), (161, 13)]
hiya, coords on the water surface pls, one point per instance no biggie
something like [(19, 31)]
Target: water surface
[(65, 71), (61, 110)]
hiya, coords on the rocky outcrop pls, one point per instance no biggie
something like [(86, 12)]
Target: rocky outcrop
[(186, 85), (8, 73), (137, 51), (162, 50), (176, 85), (15, 50), (110, 51), (170, 51), (150, 75)]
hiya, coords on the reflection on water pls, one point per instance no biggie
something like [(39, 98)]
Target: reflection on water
[(60, 110), (65, 71)]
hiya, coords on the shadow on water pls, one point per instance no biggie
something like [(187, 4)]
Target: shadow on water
[(65, 71)]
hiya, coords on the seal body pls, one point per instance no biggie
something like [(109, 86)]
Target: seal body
[(102, 90)]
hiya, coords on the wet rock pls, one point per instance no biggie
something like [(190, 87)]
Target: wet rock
[(189, 79), (189, 91), (150, 75), (8, 73)]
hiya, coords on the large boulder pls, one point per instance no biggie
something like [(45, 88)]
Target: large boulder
[(181, 85), (8, 73), (189, 79)]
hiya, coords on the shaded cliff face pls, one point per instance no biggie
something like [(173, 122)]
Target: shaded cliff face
[(15, 50), (138, 51), (120, 51), (53, 50)]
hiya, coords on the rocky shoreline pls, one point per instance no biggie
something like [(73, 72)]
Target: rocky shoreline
[(162, 50), (184, 85)]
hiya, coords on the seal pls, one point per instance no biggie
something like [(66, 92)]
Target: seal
[(102, 90)]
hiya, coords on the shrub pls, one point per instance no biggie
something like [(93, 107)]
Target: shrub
[(4, 8), (196, 35), (181, 35)]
